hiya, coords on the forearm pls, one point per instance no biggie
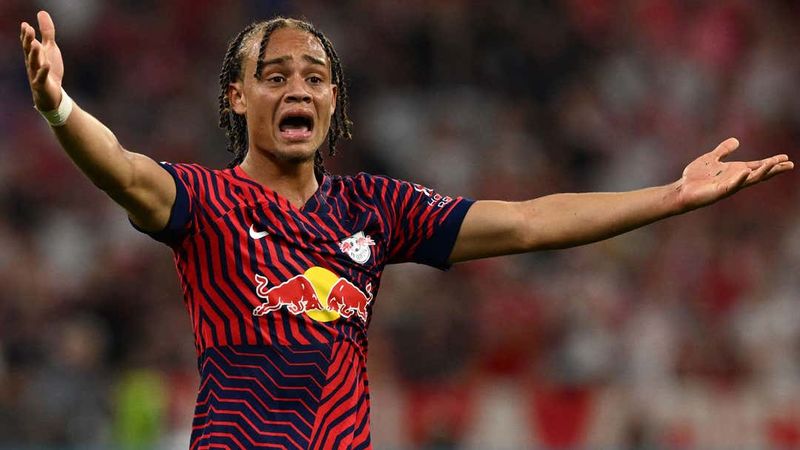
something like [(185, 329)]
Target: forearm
[(134, 181), (494, 228), (568, 220), (96, 151)]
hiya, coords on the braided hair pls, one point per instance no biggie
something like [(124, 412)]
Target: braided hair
[(235, 125)]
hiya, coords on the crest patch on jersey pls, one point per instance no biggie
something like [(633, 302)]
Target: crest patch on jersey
[(357, 247)]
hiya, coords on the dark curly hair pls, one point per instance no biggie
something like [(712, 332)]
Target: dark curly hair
[(235, 125)]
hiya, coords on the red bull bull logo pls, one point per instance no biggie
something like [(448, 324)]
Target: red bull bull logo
[(318, 292)]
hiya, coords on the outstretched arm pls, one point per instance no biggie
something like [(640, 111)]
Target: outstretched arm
[(493, 228), (134, 181)]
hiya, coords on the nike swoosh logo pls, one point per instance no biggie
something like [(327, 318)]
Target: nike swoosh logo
[(257, 234)]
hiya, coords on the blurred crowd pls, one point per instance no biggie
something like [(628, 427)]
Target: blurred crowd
[(682, 335)]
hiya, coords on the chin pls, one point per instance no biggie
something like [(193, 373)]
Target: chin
[(296, 154), (282, 151)]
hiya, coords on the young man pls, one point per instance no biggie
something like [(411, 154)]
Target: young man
[(280, 262)]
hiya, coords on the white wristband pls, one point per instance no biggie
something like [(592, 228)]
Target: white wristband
[(58, 117)]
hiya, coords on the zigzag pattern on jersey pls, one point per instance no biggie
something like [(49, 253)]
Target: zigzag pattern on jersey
[(254, 396), (343, 416)]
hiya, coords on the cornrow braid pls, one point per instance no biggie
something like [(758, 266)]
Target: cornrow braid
[(267, 30), (235, 125)]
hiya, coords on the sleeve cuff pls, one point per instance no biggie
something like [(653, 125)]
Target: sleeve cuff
[(179, 216), (436, 250)]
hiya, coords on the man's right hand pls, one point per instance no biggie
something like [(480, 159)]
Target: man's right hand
[(134, 181), (45, 67)]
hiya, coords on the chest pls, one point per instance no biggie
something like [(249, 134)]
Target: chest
[(327, 264)]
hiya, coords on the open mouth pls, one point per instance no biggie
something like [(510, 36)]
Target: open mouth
[(296, 126)]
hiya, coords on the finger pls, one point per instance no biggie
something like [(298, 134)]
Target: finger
[(769, 168), (780, 168), (773, 160), (738, 182), (22, 30), (46, 27), (41, 75), (42, 54), (753, 165), (28, 36), (758, 175), (726, 148), (35, 57)]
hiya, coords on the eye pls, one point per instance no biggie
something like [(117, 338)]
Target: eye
[(314, 79), (276, 79)]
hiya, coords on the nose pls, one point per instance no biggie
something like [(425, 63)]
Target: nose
[(296, 92)]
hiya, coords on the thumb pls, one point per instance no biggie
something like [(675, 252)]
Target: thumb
[(725, 148)]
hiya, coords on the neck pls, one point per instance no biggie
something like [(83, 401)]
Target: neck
[(293, 181)]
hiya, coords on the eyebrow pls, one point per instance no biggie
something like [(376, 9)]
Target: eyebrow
[(282, 59)]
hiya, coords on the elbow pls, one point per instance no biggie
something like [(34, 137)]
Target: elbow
[(526, 235), (119, 174), (536, 230), (533, 240)]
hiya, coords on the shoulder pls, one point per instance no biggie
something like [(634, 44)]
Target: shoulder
[(200, 175), (366, 186), (216, 185), (190, 168), (364, 181)]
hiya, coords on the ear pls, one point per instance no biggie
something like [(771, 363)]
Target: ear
[(236, 98), (335, 92)]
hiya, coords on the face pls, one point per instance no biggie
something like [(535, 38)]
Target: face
[(289, 109)]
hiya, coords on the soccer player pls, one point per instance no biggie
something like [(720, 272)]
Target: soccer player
[(280, 262)]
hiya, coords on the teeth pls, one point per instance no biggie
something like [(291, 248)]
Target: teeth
[(293, 127), (294, 134)]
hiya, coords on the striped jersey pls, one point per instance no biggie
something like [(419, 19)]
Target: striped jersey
[(280, 298)]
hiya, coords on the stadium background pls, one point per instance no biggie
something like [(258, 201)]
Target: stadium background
[(682, 335)]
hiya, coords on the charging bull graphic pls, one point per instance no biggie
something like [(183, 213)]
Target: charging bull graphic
[(318, 292)]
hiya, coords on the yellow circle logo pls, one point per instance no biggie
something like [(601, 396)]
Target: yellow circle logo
[(322, 280)]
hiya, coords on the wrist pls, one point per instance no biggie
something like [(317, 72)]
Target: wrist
[(58, 117), (674, 199)]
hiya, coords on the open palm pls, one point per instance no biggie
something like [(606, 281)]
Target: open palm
[(45, 67), (708, 178)]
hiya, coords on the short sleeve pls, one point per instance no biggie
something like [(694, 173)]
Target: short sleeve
[(424, 223), (181, 215)]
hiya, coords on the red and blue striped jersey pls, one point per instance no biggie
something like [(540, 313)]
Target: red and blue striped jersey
[(280, 298)]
